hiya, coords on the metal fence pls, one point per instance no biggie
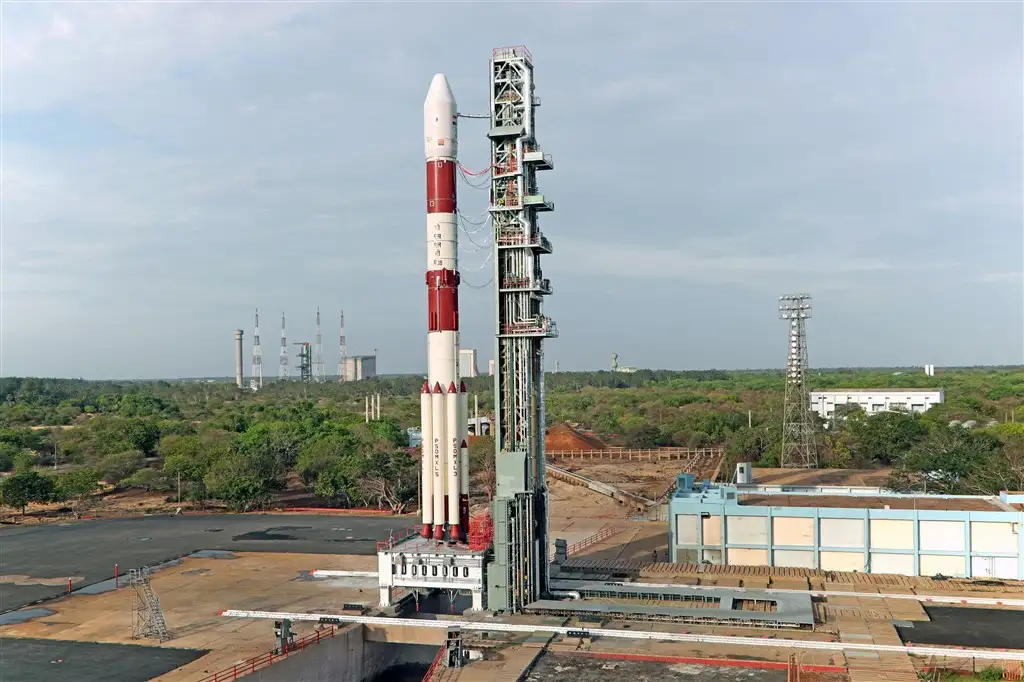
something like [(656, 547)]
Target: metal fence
[(268, 659), (654, 455)]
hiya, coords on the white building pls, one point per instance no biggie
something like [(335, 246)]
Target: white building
[(873, 400), (467, 363), (360, 367)]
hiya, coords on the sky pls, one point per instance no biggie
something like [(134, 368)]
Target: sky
[(169, 167)]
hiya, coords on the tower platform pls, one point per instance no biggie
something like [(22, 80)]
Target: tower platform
[(417, 563)]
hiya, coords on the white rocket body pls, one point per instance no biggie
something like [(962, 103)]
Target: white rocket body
[(443, 499)]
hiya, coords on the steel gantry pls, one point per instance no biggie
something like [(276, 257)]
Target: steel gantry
[(519, 573)]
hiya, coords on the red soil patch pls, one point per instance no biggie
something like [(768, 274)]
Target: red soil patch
[(565, 437)]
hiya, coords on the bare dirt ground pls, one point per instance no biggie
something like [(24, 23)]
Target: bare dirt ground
[(647, 479), (851, 477)]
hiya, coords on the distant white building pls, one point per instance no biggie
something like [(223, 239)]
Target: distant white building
[(874, 400), (359, 367), (467, 363)]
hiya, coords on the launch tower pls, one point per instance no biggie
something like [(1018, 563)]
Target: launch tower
[(519, 572), (305, 361)]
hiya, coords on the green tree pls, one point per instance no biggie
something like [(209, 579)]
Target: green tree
[(945, 461), (245, 479), (120, 465), (8, 451), (881, 438), (22, 488), (24, 461), (77, 486), (389, 480), (481, 461)]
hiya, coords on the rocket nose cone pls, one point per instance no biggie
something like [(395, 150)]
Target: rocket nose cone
[(440, 92)]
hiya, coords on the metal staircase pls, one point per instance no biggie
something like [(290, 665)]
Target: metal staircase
[(147, 616)]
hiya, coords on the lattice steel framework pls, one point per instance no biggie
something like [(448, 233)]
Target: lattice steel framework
[(799, 449), (147, 616), (283, 369), (318, 352), (519, 574), (343, 350), (257, 356)]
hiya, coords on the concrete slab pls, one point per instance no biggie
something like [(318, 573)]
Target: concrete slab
[(90, 549)]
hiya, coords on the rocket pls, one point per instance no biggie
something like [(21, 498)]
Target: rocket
[(443, 401)]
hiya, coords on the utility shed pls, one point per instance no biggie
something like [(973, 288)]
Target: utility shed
[(868, 530)]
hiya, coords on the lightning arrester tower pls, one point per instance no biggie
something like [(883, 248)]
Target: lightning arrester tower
[(257, 355), (798, 444), (282, 370), (318, 359), (343, 352), (519, 574)]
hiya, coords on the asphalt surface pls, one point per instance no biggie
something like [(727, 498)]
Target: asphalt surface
[(52, 660), (91, 548), (955, 626)]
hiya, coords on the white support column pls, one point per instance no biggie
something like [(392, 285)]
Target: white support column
[(385, 596)]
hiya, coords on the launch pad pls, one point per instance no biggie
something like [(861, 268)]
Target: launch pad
[(417, 563)]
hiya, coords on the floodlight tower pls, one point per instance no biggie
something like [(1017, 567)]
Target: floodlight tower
[(798, 445), (257, 356), (519, 573), (282, 369), (318, 359)]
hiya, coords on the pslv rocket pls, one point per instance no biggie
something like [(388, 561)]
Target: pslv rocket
[(444, 484)]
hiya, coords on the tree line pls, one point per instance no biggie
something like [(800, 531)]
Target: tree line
[(240, 449)]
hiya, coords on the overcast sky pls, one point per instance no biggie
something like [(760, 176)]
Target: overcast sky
[(167, 168)]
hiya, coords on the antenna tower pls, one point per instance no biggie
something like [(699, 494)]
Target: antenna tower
[(282, 369), (318, 359), (257, 356), (798, 445), (147, 616), (344, 351), (520, 572)]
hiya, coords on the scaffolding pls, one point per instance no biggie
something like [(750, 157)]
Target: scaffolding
[(305, 361), (519, 574), (147, 616)]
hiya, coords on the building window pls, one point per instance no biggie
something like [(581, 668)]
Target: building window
[(465, 571), (414, 570), (394, 569), (433, 571), (403, 569)]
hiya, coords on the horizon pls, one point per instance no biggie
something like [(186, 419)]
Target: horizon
[(332, 378)]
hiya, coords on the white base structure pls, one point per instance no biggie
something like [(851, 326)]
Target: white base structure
[(875, 400), (417, 563)]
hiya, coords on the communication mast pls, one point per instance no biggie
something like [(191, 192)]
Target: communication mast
[(520, 571), (318, 358), (282, 370), (343, 351), (799, 449), (257, 356)]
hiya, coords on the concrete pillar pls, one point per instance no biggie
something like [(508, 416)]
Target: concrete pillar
[(385, 596), (239, 375), (478, 600)]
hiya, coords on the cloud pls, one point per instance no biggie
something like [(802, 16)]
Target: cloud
[(175, 165)]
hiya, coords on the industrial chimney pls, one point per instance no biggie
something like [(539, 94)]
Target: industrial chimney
[(239, 378)]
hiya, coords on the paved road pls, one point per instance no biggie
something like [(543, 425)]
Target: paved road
[(91, 548), (51, 660)]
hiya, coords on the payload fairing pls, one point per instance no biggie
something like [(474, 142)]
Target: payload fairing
[(444, 401)]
